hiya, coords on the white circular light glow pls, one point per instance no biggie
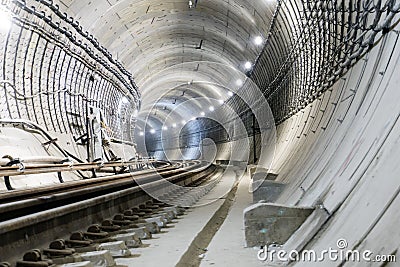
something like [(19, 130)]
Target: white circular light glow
[(141, 133), (230, 93), (258, 40), (165, 128), (183, 122), (152, 131), (202, 113), (211, 108), (125, 100), (174, 125), (221, 101), (247, 65)]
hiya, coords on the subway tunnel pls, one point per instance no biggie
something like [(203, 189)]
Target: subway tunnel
[(199, 133)]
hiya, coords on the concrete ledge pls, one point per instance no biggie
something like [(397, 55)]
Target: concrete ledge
[(263, 175), (267, 223), (267, 190), (252, 168), (265, 187), (231, 162), (300, 238)]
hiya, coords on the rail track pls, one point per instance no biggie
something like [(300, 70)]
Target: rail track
[(31, 218)]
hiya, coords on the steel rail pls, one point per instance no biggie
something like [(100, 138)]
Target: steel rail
[(31, 201), (39, 220), (164, 172), (26, 208)]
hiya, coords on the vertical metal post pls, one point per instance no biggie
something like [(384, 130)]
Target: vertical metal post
[(88, 135), (254, 139)]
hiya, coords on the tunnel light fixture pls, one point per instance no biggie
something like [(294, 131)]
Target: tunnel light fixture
[(152, 131), (5, 19), (96, 76), (192, 3), (239, 82), (141, 133), (174, 125), (211, 108), (258, 40), (203, 113), (221, 101), (183, 122), (248, 65), (125, 100), (230, 93), (165, 128)]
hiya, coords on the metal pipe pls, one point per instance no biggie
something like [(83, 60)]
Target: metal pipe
[(39, 159), (40, 168)]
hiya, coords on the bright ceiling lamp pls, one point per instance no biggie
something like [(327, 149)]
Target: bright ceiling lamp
[(192, 3), (230, 93), (248, 65), (183, 122), (239, 82), (202, 113), (125, 100), (165, 128), (141, 133), (174, 125), (258, 40), (221, 101), (211, 108), (152, 131)]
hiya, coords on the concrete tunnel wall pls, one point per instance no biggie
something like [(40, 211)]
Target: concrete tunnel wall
[(342, 151)]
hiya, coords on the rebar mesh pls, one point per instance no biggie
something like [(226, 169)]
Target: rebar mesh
[(311, 44), (52, 71)]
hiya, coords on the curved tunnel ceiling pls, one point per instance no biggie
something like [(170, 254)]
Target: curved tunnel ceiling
[(304, 48), (151, 37)]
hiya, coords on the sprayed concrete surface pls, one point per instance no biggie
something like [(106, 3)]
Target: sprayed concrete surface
[(227, 248), (167, 248)]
